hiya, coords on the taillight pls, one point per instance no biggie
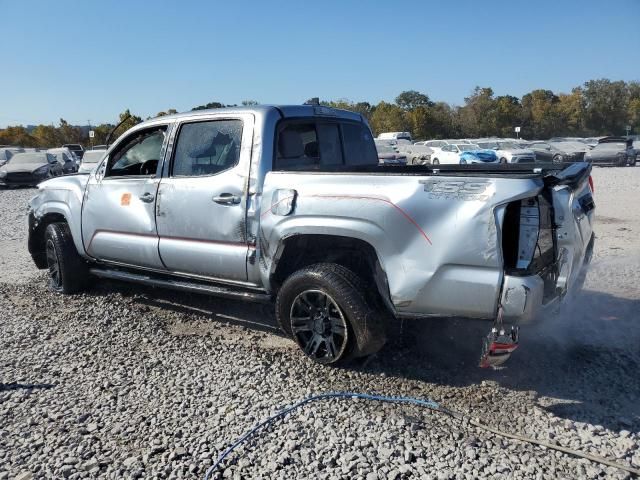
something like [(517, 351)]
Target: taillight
[(527, 240), (591, 184)]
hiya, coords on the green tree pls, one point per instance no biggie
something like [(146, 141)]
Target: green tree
[(570, 108), (541, 118), (411, 99), (388, 117), (506, 114), (47, 136), (606, 106), (477, 114), (17, 136), (171, 111), (363, 108), (209, 105)]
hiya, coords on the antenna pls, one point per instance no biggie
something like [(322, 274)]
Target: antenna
[(116, 127)]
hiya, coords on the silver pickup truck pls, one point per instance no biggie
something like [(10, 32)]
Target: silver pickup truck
[(289, 205)]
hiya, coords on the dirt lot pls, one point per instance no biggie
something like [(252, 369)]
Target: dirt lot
[(127, 382)]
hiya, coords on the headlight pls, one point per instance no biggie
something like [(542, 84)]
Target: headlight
[(3, 174), (42, 170)]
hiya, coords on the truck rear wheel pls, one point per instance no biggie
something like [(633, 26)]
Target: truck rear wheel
[(324, 307), (68, 272)]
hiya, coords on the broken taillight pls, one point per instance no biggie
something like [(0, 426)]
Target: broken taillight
[(591, 184)]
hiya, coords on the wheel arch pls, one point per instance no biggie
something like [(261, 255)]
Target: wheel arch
[(298, 251), (37, 227)]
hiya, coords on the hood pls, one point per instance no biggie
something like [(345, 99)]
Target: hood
[(483, 155), (67, 182), (517, 151), (24, 167)]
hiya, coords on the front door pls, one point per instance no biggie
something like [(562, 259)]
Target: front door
[(202, 199), (118, 214)]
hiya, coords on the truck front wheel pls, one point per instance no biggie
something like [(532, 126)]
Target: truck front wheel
[(68, 272), (324, 307)]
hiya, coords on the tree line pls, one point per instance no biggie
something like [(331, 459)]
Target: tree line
[(598, 107)]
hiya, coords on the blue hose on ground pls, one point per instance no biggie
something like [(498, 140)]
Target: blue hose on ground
[(430, 404), (323, 396)]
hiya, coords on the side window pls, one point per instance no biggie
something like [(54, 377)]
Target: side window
[(207, 148), (298, 147), (138, 154), (329, 142), (314, 146), (359, 148)]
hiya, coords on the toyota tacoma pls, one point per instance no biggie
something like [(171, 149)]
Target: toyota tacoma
[(289, 205)]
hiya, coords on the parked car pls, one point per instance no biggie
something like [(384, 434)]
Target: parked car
[(635, 139), (29, 169), (90, 160), (66, 158), (614, 151), (99, 147), (7, 152), (395, 136), (75, 148), (307, 216), (416, 154), (478, 155), (450, 154), (388, 155), (508, 151), (558, 152)]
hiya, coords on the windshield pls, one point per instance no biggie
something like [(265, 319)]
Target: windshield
[(508, 146), (28, 158), (93, 156)]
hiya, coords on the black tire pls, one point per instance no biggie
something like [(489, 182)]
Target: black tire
[(364, 320), (503, 160), (68, 272), (436, 161), (557, 159)]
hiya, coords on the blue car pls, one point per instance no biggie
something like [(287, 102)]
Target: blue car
[(478, 155)]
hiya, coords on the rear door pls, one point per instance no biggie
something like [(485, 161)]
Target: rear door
[(202, 198), (118, 213)]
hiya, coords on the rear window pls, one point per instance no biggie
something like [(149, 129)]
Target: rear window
[(323, 145)]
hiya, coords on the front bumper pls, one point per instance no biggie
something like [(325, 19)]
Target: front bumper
[(22, 180)]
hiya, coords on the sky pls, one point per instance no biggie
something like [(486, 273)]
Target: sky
[(90, 60)]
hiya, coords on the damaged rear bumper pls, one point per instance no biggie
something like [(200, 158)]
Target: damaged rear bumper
[(524, 300)]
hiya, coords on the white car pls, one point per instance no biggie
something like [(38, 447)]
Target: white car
[(509, 152), (394, 136), (450, 154), (90, 160)]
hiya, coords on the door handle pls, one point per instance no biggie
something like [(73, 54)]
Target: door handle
[(147, 197), (226, 199)]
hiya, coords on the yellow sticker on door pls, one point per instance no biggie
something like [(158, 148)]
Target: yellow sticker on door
[(125, 200)]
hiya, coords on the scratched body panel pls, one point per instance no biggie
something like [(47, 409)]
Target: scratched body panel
[(440, 251)]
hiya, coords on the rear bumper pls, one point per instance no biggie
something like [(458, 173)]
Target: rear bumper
[(523, 298)]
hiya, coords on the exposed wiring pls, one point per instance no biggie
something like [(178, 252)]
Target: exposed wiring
[(430, 404)]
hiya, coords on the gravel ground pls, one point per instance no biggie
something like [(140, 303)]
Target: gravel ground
[(128, 382)]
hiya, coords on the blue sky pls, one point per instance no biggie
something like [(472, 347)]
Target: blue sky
[(89, 60)]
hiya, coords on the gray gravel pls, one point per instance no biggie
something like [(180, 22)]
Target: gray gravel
[(128, 382)]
